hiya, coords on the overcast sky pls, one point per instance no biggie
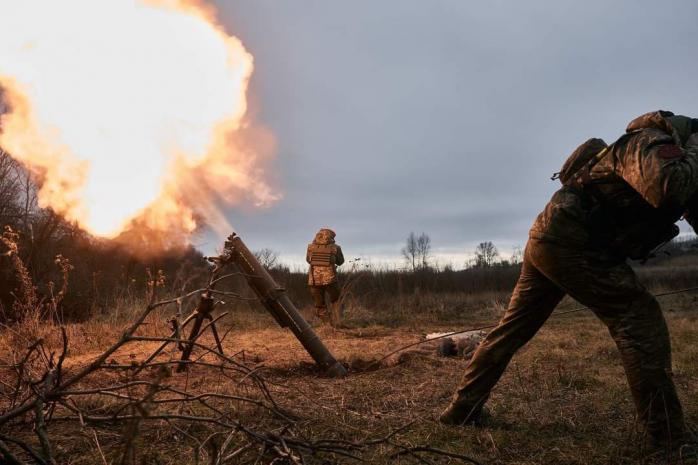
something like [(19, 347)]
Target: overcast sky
[(445, 116)]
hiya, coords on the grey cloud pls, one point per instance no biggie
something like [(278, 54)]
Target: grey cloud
[(445, 116)]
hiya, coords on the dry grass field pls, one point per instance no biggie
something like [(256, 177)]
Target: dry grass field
[(564, 399)]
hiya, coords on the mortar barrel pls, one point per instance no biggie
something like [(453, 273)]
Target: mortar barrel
[(275, 299)]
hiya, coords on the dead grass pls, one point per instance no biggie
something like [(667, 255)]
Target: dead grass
[(564, 399)]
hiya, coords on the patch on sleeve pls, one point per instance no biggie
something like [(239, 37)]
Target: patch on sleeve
[(669, 152)]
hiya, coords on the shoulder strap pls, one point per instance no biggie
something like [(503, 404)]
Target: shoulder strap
[(583, 175), (583, 172)]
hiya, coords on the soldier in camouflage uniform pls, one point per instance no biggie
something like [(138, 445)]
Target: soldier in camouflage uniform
[(324, 256), (624, 205)]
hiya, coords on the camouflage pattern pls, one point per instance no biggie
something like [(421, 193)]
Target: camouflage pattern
[(647, 174), (646, 181), (324, 275), (318, 294), (322, 279), (610, 288)]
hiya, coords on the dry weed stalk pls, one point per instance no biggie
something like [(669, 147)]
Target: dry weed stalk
[(29, 310), (26, 300), (241, 423)]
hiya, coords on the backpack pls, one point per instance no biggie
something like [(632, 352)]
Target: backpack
[(635, 236), (575, 171)]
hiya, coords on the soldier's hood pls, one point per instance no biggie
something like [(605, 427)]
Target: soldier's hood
[(324, 236), (678, 126)]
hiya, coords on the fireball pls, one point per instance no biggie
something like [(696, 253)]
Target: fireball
[(115, 105)]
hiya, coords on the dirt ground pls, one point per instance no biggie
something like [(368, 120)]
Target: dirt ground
[(564, 399)]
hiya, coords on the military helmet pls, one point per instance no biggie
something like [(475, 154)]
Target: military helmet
[(679, 125), (325, 236)]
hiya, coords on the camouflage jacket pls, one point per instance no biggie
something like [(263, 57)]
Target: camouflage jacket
[(638, 190), (324, 256)]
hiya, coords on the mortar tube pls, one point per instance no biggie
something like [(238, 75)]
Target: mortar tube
[(275, 299)]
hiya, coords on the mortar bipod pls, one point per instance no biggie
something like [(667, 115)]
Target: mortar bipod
[(203, 312)]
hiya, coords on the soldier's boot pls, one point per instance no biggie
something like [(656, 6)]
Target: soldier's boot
[(685, 454), (457, 414), (321, 313), (337, 314), (678, 452)]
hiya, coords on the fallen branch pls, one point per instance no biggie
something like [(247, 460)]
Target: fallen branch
[(433, 450)]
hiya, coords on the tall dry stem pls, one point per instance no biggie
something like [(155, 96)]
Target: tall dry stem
[(26, 300)]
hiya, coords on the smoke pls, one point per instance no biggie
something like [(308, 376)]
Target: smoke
[(132, 115)]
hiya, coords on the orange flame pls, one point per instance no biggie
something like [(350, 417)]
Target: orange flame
[(130, 113)]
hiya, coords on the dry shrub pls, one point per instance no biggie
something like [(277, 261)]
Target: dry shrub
[(31, 318)]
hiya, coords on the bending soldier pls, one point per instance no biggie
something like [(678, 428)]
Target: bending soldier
[(324, 256), (617, 202)]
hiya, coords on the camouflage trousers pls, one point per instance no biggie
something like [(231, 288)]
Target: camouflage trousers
[(611, 290), (318, 293)]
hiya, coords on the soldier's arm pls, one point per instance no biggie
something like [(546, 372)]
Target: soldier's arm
[(691, 214), (665, 174), (307, 255), (339, 259)]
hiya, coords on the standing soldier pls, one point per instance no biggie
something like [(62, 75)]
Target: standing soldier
[(617, 202), (324, 256)]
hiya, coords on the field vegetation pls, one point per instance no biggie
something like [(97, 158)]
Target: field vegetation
[(81, 319)]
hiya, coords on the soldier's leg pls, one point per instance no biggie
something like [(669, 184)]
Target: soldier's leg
[(533, 300), (337, 312), (333, 291), (642, 337), (636, 323), (318, 294)]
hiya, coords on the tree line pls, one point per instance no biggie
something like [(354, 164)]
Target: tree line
[(417, 254), (104, 273)]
